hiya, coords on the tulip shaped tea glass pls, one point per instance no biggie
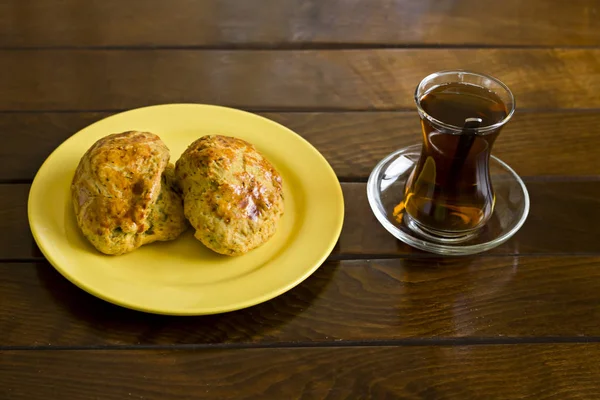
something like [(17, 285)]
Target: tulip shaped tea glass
[(447, 194)]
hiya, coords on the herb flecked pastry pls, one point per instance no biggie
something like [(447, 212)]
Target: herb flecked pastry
[(232, 195), (124, 193)]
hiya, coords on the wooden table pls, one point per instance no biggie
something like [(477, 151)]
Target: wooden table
[(379, 319)]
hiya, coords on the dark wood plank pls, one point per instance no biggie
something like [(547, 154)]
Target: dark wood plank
[(18, 241), (488, 298), (544, 372), (315, 79), (564, 219), (534, 143), (289, 22)]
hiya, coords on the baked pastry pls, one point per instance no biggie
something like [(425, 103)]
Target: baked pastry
[(124, 193), (232, 195)]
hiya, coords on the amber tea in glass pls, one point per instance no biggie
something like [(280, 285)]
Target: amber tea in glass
[(449, 194)]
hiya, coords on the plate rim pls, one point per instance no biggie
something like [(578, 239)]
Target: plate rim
[(332, 241)]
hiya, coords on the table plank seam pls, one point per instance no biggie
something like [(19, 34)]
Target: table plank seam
[(333, 46), (16, 181), (441, 342), (376, 257)]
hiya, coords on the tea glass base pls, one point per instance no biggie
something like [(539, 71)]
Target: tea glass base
[(436, 236), (385, 191)]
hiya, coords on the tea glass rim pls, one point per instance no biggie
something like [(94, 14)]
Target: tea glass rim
[(459, 129)]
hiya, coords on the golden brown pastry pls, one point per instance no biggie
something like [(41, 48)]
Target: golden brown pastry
[(124, 193), (232, 195)]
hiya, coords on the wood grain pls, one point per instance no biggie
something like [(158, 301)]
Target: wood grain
[(278, 80), (18, 241), (483, 298), (276, 23), (379, 319), (534, 143), (564, 219), (544, 372)]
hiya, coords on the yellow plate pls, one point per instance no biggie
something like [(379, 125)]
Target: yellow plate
[(183, 277)]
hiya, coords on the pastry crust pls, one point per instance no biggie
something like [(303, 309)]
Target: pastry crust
[(124, 195), (232, 195)]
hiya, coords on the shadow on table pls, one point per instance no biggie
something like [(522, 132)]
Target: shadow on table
[(89, 320)]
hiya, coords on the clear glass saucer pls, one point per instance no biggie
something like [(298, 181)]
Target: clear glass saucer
[(385, 190)]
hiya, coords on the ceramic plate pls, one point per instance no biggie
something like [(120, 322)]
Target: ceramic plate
[(183, 277)]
